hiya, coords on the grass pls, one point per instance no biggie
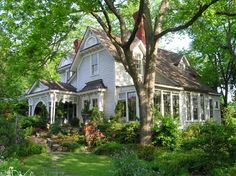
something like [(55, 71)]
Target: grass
[(69, 164)]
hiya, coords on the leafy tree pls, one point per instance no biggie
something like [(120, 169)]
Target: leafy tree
[(215, 40), (37, 29)]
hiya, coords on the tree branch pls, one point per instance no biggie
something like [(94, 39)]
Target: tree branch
[(136, 25), (198, 14), (226, 14)]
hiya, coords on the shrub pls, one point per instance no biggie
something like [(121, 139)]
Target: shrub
[(109, 148), (75, 122), (96, 115), (27, 131), (171, 163), (165, 132), (218, 143), (7, 137), (33, 121), (27, 148), (144, 152), (55, 128), (127, 164), (70, 146)]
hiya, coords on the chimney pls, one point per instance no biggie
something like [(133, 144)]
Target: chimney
[(140, 32), (77, 43)]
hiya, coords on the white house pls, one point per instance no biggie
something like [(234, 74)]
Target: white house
[(93, 77)]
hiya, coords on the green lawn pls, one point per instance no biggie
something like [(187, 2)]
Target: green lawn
[(69, 164)]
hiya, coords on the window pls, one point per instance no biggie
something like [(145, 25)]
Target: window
[(157, 100), (122, 107), (132, 105), (188, 105), (216, 105), (202, 105), (94, 64), (90, 41), (211, 108), (175, 105), (86, 105), (195, 107), (95, 102), (166, 99)]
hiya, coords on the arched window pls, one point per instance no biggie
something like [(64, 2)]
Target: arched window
[(90, 41)]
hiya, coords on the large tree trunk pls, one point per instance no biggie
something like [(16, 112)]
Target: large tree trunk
[(146, 115)]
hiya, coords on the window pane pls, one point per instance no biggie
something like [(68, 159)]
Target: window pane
[(175, 105), (211, 107), (132, 105), (166, 98), (202, 107), (188, 104), (157, 100), (195, 107), (95, 102), (122, 105)]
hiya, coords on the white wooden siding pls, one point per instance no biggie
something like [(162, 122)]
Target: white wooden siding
[(106, 73)]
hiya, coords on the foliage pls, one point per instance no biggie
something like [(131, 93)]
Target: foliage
[(165, 132), (12, 167), (109, 148), (8, 137), (33, 121), (96, 115), (144, 152), (172, 163), (119, 111), (55, 128), (124, 133), (27, 148), (70, 146), (27, 131), (75, 122), (128, 164), (217, 142)]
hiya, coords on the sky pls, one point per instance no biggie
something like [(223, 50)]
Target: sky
[(175, 42)]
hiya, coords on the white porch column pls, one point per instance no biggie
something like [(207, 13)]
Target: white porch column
[(52, 108), (100, 101), (137, 107)]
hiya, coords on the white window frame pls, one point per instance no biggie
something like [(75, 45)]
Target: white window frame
[(88, 40), (91, 66)]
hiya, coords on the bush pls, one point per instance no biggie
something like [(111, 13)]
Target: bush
[(75, 122), (7, 138), (33, 121), (144, 152), (109, 148), (70, 146), (27, 131), (55, 128), (171, 163), (127, 164), (27, 148), (217, 142), (165, 132)]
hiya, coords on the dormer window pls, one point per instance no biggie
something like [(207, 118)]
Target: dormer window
[(90, 41), (181, 65)]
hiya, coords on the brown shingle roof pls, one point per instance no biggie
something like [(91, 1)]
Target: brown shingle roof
[(167, 62), (54, 85), (93, 85)]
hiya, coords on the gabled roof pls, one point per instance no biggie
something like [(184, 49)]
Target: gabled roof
[(66, 61), (54, 85), (93, 85), (181, 78)]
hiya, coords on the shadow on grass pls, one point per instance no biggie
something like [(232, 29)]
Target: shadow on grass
[(69, 164)]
